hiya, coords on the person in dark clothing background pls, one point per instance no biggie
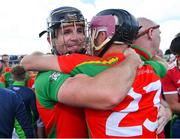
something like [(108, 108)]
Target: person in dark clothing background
[(11, 108), (27, 95)]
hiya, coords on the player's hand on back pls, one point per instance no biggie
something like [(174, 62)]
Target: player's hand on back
[(131, 53)]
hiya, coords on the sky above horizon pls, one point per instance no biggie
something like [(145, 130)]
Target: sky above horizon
[(22, 20)]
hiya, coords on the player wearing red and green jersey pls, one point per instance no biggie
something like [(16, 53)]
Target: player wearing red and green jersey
[(60, 121), (6, 78), (131, 117), (2, 85)]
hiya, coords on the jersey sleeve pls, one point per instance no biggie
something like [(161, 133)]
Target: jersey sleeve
[(68, 62), (168, 85), (2, 78), (87, 64), (47, 85)]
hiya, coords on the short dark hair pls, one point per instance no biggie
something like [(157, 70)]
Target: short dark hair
[(1, 65), (18, 73), (175, 46), (177, 35), (5, 55), (168, 52)]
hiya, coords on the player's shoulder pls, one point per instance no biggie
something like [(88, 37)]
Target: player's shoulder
[(172, 65), (48, 76)]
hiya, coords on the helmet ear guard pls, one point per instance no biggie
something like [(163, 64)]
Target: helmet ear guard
[(100, 24), (121, 27), (126, 26)]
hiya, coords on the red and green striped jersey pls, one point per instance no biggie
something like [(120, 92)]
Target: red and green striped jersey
[(60, 121), (136, 115)]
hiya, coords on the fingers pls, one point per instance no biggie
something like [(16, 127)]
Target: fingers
[(131, 52), (161, 111), (161, 126), (164, 115), (165, 110)]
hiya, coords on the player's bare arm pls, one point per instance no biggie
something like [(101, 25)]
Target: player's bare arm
[(38, 61), (103, 91)]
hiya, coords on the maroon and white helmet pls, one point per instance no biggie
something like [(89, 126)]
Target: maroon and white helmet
[(120, 26)]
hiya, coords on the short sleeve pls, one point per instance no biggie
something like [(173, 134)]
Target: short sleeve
[(168, 85), (47, 85)]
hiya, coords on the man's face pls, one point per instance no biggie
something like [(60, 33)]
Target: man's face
[(70, 38), (178, 59), (5, 58), (156, 40)]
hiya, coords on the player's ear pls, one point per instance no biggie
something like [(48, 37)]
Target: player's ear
[(150, 34), (48, 38), (103, 35)]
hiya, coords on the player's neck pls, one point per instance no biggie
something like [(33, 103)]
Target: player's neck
[(116, 48)]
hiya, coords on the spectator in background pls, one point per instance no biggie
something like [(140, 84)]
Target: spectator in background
[(2, 85), (159, 53), (1, 66), (11, 108), (27, 95), (5, 58), (178, 35), (30, 79), (13, 60), (20, 57), (169, 57), (6, 76), (171, 86)]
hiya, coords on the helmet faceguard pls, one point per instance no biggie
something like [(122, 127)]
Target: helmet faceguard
[(120, 26), (60, 18), (175, 46)]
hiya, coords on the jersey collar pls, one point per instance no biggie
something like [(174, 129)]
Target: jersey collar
[(142, 52), (19, 83)]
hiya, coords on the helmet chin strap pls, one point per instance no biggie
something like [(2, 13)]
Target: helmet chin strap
[(109, 43), (105, 45), (93, 37), (54, 51), (102, 44)]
